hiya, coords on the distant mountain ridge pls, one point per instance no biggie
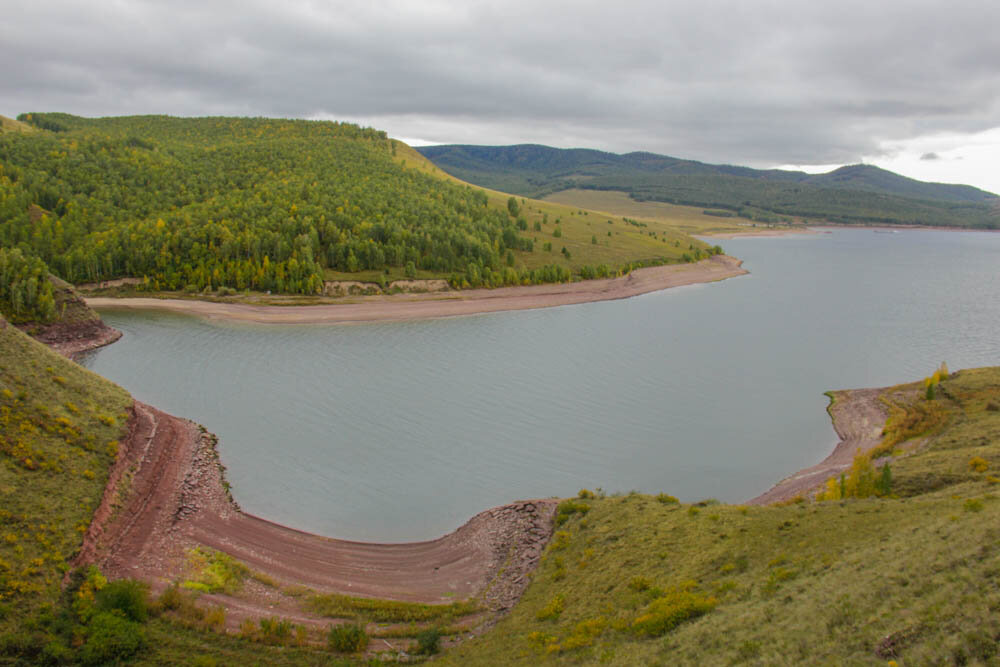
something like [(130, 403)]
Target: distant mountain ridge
[(854, 193)]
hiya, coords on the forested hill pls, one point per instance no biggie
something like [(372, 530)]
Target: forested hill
[(856, 193), (263, 204)]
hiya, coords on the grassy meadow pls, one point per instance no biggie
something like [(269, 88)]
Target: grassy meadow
[(59, 427), (687, 219)]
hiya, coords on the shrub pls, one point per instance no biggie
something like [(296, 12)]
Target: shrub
[(127, 596), (639, 584), (111, 638), (552, 610), (666, 613), (215, 572), (567, 508), (585, 494), (978, 464), (274, 631), (429, 641), (666, 499), (560, 540), (347, 638)]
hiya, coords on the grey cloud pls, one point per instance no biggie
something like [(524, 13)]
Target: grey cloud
[(930, 156), (755, 83)]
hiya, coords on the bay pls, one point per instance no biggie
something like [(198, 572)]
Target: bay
[(402, 431)]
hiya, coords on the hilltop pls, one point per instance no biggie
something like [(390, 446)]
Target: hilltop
[(11, 125), (851, 194), (199, 205)]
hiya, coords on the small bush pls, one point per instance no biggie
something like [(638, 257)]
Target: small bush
[(666, 613), (666, 499), (978, 464), (639, 584), (552, 610), (568, 508), (215, 572), (274, 631), (429, 642), (127, 596), (585, 494), (111, 638), (347, 638)]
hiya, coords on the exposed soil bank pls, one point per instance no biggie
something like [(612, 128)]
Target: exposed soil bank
[(166, 495), (78, 329), (858, 418), (451, 304), (73, 339)]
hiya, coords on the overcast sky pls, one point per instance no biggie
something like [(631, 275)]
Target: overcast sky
[(911, 86)]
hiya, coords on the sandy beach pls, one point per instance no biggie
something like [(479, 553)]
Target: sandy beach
[(449, 304)]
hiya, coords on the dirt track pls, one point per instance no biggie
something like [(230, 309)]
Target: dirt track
[(858, 418), (165, 496), (450, 304)]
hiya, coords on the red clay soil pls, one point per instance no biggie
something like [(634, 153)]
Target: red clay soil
[(166, 496), (450, 304), (858, 418)]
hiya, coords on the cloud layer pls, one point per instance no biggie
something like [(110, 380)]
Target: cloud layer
[(750, 83)]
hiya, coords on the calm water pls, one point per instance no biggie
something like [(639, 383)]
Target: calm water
[(404, 430)]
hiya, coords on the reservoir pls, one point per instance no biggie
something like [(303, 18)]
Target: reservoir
[(402, 431)]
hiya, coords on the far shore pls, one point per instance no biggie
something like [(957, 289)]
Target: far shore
[(781, 231), (447, 304)]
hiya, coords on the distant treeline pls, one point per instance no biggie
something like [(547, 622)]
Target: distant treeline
[(238, 202)]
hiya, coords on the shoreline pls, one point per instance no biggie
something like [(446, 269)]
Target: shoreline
[(858, 417), (166, 496), (447, 304)]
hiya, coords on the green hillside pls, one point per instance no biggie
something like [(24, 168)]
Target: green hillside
[(196, 204), (857, 193), (640, 580)]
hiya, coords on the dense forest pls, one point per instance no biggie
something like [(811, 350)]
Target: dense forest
[(263, 204), (852, 194)]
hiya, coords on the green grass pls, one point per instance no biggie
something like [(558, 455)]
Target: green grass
[(58, 427), (687, 219), (807, 583), (212, 571), (385, 611), (11, 125)]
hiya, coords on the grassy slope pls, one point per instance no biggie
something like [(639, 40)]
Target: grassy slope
[(812, 583), (687, 219), (11, 125), (578, 226), (56, 422)]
